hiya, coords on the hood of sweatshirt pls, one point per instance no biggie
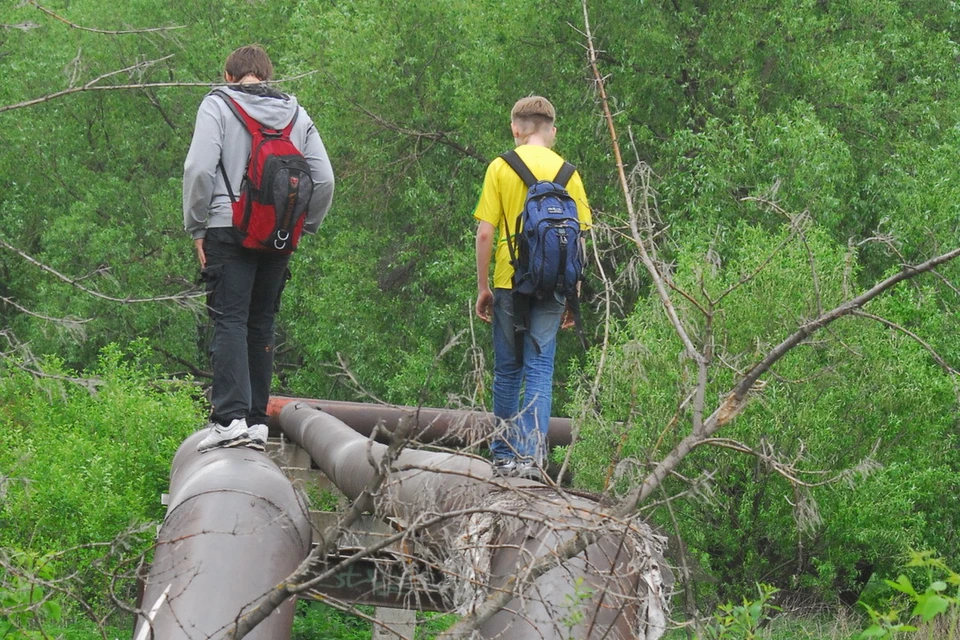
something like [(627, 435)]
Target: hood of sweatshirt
[(266, 105)]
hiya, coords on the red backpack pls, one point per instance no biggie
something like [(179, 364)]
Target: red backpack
[(276, 187)]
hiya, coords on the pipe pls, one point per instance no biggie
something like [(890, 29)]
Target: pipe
[(453, 426), (235, 527), (615, 589)]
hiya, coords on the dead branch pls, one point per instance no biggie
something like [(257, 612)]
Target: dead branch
[(101, 31), (787, 470), (71, 324), (343, 367), (93, 85), (23, 359), (433, 136), (736, 399), (183, 298), (23, 26), (896, 327), (794, 231)]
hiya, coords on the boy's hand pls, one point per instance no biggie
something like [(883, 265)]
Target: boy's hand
[(198, 243), (485, 305), (566, 320)]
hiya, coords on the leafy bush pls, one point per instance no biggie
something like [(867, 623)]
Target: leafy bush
[(940, 598), (855, 403), (83, 468), (24, 605)]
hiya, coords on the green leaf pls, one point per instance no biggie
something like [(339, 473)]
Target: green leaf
[(930, 605), (903, 585)]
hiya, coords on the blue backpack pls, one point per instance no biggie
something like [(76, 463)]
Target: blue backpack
[(548, 256)]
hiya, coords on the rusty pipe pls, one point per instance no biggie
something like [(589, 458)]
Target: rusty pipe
[(234, 528), (449, 425), (615, 589)]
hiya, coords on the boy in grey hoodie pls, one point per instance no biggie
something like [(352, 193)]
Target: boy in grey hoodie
[(243, 285)]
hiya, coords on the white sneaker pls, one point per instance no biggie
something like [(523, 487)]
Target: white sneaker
[(234, 435), (258, 437)]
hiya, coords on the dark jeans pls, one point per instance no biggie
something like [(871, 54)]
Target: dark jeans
[(243, 296)]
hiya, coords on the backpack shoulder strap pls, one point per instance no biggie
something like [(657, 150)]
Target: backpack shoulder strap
[(251, 123), (516, 163), (287, 129), (565, 173), (248, 122)]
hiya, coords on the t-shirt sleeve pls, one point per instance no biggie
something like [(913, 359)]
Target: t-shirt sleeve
[(577, 192), (490, 207)]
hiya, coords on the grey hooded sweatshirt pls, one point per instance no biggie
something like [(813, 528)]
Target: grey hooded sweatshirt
[(218, 134)]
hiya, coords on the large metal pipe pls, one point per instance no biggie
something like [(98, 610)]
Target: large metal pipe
[(433, 425), (235, 527), (615, 589)]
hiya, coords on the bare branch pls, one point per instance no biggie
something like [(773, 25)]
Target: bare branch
[(639, 240), (71, 324), (182, 298), (22, 358), (735, 401), (23, 26), (343, 366), (796, 228), (102, 31), (433, 136), (787, 470), (893, 325), (93, 85), (601, 362)]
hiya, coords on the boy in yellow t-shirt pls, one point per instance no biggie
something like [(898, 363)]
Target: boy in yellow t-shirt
[(520, 450)]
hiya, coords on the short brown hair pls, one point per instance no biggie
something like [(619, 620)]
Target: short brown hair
[(250, 59), (533, 113)]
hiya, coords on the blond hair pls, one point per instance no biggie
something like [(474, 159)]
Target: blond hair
[(533, 114)]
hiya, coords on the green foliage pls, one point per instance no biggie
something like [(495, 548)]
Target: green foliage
[(81, 469), (24, 605), (429, 625), (854, 402), (844, 109), (940, 598), (741, 622), (317, 620)]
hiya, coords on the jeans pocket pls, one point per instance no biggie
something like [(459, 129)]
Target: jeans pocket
[(212, 276)]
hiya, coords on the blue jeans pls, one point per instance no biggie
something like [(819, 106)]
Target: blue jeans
[(525, 418), (243, 297)]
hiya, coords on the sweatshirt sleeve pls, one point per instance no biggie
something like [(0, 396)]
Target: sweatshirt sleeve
[(200, 167), (322, 173)]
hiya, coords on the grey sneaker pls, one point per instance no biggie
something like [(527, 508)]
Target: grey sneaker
[(233, 435), (258, 437), (529, 470), (504, 467)]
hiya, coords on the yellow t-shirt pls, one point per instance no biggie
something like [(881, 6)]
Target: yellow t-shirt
[(503, 194)]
